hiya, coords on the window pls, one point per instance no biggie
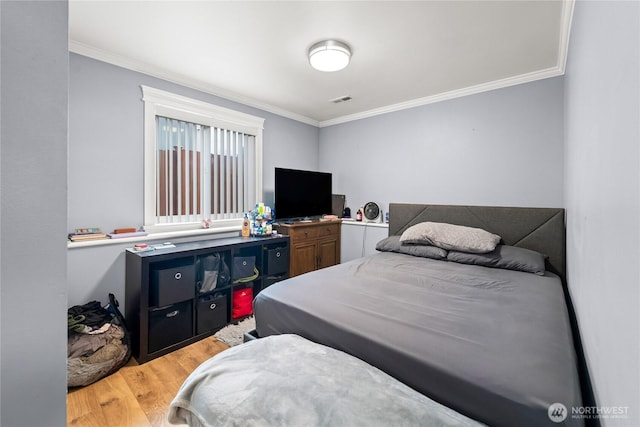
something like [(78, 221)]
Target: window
[(202, 162)]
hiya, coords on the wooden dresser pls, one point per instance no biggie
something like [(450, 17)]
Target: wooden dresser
[(313, 245)]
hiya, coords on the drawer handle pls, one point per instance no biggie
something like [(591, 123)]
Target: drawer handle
[(173, 313), (305, 234), (212, 306), (178, 275), (244, 262), (277, 254)]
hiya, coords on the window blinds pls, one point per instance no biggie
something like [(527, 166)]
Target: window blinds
[(202, 172)]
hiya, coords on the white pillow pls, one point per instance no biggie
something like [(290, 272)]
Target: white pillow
[(451, 237)]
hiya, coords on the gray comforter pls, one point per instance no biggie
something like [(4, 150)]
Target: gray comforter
[(287, 380), (493, 344)]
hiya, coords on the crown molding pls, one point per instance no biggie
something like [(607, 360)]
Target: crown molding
[(141, 67), (563, 49), (471, 90), (566, 20)]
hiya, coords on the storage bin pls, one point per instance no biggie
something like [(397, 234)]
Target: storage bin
[(243, 267), (211, 313), (277, 261), (172, 284), (170, 325)]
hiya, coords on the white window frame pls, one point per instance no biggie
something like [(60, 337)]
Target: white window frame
[(161, 103)]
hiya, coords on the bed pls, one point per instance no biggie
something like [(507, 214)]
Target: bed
[(493, 343)]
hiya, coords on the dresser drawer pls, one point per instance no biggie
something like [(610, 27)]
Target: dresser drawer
[(303, 233), (328, 230)]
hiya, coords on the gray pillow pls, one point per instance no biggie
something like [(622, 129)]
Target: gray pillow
[(451, 237), (504, 256), (392, 244)]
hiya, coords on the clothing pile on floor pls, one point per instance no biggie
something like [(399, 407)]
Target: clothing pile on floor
[(98, 342)]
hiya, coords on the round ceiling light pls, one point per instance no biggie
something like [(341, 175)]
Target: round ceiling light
[(329, 55)]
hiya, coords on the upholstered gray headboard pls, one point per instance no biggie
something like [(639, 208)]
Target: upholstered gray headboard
[(539, 229)]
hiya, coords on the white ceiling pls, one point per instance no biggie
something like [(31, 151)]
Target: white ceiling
[(404, 53)]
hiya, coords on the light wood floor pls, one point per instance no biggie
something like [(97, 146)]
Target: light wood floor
[(138, 395)]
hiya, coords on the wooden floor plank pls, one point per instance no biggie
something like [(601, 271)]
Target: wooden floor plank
[(150, 392), (138, 395), (170, 373), (191, 357), (118, 403), (83, 409)]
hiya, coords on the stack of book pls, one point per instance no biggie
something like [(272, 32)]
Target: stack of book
[(83, 234), (121, 233)]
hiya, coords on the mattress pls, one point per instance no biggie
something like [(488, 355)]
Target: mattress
[(492, 344)]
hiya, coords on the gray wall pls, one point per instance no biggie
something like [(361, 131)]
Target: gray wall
[(33, 212), (481, 149), (503, 147), (106, 163), (603, 196)]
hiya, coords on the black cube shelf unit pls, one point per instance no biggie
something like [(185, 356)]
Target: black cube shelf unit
[(165, 309)]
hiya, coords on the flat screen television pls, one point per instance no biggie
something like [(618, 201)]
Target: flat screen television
[(301, 194)]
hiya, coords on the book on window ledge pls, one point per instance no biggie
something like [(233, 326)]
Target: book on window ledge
[(129, 234), (125, 230), (91, 230), (82, 234), (87, 236)]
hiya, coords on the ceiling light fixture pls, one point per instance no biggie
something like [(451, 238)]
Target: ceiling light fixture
[(329, 55)]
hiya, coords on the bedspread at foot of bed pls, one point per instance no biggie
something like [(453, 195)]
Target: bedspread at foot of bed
[(286, 380)]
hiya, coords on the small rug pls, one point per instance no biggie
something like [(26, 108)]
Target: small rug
[(233, 334)]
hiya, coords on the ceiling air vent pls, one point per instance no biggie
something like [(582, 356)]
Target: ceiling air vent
[(341, 99)]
